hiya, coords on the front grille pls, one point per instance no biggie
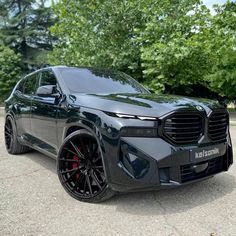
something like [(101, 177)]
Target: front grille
[(183, 127), (217, 125), (188, 172)]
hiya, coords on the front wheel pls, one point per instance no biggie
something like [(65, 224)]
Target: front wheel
[(80, 168)]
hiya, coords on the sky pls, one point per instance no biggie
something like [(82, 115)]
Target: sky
[(210, 3)]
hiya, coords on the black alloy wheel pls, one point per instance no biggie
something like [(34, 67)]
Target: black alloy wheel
[(12, 144), (8, 132), (80, 168)]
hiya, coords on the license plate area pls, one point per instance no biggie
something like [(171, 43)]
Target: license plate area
[(207, 153)]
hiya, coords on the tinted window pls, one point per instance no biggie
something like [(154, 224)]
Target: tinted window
[(99, 81), (30, 84), (20, 86), (47, 78)]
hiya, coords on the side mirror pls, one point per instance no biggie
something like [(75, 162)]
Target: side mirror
[(47, 91)]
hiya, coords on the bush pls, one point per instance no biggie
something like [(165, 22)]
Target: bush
[(9, 71)]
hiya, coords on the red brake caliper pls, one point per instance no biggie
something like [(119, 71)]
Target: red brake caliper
[(75, 165)]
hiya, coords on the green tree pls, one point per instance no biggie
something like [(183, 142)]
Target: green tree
[(24, 28), (161, 43), (99, 33), (222, 76), (149, 39), (9, 70), (172, 44)]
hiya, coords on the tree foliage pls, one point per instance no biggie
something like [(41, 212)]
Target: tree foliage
[(222, 74), (98, 33), (9, 70), (172, 52), (161, 43), (24, 27)]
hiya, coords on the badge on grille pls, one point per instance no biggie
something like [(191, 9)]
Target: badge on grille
[(199, 108)]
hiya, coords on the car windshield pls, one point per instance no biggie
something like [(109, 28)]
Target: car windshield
[(87, 80)]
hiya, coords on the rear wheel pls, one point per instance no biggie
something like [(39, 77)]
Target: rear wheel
[(80, 168), (11, 142)]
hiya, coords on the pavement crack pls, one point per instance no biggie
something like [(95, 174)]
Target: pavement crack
[(24, 174), (164, 215)]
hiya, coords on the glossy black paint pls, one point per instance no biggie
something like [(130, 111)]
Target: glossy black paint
[(131, 163)]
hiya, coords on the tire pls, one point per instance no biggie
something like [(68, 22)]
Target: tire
[(81, 170), (11, 142)]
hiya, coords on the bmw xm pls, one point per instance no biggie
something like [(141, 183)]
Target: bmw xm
[(109, 134)]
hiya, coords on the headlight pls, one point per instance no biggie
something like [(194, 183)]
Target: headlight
[(138, 132), (126, 116)]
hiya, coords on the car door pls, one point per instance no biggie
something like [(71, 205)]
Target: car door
[(44, 115), (23, 95)]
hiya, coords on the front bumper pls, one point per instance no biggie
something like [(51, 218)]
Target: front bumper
[(152, 163)]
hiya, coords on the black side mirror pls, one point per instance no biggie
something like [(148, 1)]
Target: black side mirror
[(48, 91)]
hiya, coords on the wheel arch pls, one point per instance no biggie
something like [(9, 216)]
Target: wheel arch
[(71, 129), (90, 127), (9, 113)]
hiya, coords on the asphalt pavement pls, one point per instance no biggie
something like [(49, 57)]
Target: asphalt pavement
[(32, 202)]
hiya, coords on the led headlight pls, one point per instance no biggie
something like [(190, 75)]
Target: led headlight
[(134, 117), (126, 116)]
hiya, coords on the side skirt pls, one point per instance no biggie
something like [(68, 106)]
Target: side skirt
[(37, 148)]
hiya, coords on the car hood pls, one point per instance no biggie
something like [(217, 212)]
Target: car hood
[(141, 104)]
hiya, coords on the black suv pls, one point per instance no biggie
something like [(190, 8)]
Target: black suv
[(109, 134)]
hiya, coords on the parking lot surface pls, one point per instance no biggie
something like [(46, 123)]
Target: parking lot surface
[(32, 202)]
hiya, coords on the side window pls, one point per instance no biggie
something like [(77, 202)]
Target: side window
[(47, 78), (30, 84)]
